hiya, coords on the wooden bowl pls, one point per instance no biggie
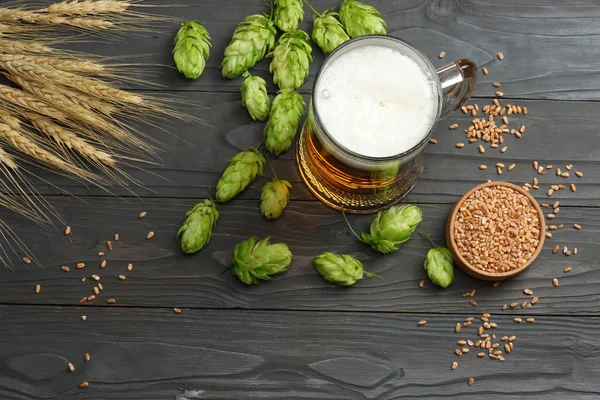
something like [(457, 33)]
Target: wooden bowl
[(464, 264)]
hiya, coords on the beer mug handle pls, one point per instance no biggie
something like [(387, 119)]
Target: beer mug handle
[(458, 81)]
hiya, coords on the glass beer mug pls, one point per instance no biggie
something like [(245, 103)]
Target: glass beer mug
[(359, 183)]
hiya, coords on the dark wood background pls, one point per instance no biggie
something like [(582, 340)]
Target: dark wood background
[(299, 337)]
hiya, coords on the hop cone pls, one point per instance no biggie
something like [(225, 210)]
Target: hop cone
[(197, 228), (286, 111), (252, 40), (438, 265), (274, 198), (392, 227), (328, 33), (255, 98), (241, 172), (341, 269), (291, 59), (360, 19), (192, 49), (254, 260), (288, 13)]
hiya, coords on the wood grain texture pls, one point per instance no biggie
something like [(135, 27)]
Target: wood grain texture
[(550, 49), (162, 275), (151, 354), (557, 133)]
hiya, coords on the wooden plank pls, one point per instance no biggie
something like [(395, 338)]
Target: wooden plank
[(557, 133), (541, 42), (163, 276), (152, 354)]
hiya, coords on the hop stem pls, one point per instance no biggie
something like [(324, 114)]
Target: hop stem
[(428, 237), (272, 168), (350, 226), (371, 275), (272, 7), (312, 8)]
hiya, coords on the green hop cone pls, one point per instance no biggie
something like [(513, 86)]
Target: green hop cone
[(438, 265), (252, 40), (284, 118), (328, 32), (197, 228), (255, 98), (241, 171), (274, 198), (191, 49), (254, 260), (341, 269), (392, 227), (360, 19), (291, 60), (288, 13)]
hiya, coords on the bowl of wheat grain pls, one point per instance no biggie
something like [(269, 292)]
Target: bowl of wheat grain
[(495, 231)]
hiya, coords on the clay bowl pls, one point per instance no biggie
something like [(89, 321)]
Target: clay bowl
[(464, 264)]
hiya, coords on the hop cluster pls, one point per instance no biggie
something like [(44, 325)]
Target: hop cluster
[(361, 19), (197, 228), (392, 227), (252, 40), (286, 111), (242, 170), (191, 49)]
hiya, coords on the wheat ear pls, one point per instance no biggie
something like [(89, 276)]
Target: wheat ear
[(61, 98), (77, 66), (75, 109), (24, 145), (11, 46), (31, 17), (93, 87), (87, 7), (68, 139), (20, 98)]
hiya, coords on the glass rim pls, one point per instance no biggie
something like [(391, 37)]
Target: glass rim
[(422, 58)]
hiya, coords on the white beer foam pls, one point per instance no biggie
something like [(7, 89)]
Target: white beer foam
[(376, 101)]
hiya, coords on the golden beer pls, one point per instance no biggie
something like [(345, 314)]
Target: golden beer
[(342, 177)]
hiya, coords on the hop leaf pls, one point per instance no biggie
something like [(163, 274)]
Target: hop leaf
[(286, 111), (341, 269), (255, 98), (241, 171), (197, 228), (254, 260), (252, 40), (360, 19), (438, 265), (288, 13), (328, 32), (191, 49), (291, 60), (274, 198), (392, 227)]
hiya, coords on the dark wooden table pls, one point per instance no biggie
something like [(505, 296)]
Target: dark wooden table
[(299, 337)]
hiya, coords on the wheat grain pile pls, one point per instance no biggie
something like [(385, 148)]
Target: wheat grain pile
[(60, 110)]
